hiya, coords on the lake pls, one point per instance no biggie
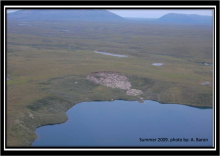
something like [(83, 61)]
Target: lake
[(129, 124)]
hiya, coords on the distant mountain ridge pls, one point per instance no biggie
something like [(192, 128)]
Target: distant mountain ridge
[(64, 14), (185, 18)]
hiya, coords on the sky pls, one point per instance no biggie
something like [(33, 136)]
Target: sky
[(10, 10), (153, 13)]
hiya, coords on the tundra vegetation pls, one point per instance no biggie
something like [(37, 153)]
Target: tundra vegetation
[(47, 68)]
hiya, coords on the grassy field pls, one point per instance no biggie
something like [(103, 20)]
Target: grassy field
[(47, 68)]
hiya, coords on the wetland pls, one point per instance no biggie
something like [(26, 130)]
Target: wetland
[(52, 70)]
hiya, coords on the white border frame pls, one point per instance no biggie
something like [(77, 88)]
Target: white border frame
[(117, 149)]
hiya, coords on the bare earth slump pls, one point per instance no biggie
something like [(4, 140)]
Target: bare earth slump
[(114, 80)]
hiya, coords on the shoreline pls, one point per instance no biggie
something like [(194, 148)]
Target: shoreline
[(199, 107), (52, 109)]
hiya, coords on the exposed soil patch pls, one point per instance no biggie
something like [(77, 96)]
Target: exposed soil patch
[(31, 116), (110, 79), (113, 80), (134, 92)]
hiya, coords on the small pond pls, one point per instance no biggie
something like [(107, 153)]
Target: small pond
[(24, 24), (129, 124), (157, 64), (64, 30), (110, 54), (207, 64), (205, 83)]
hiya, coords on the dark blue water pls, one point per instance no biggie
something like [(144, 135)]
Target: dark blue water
[(123, 123)]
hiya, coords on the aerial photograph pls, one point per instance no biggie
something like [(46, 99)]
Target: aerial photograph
[(97, 77)]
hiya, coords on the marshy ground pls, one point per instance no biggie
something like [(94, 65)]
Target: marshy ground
[(47, 77)]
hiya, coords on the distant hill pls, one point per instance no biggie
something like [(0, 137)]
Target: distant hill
[(140, 19), (64, 14), (185, 19)]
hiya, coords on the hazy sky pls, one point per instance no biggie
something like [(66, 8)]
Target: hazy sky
[(152, 13), (10, 10)]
